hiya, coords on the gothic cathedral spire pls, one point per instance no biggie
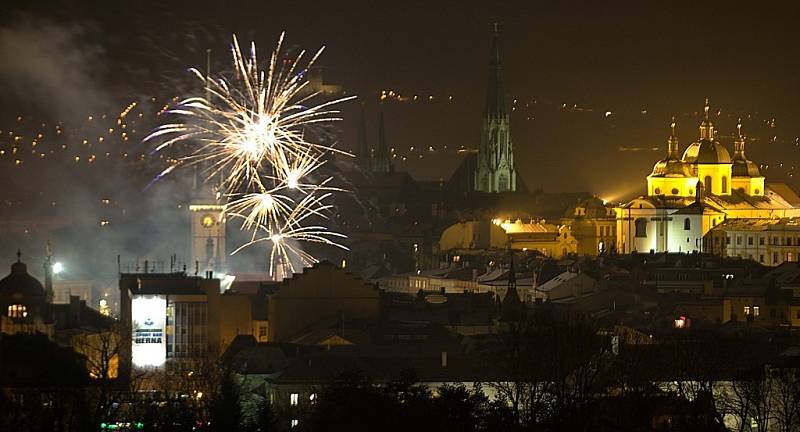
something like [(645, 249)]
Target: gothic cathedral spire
[(363, 153), (380, 161), (495, 170)]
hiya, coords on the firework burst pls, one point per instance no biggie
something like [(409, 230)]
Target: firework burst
[(249, 133)]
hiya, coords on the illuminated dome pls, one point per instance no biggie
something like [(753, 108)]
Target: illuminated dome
[(742, 167), (745, 168), (19, 282), (672, 165), (671, 168), (707, 151)]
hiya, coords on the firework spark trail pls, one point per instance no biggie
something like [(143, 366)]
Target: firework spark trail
[(249, 134)]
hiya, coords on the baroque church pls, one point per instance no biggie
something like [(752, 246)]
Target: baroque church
[(495, 170), (689, 194)]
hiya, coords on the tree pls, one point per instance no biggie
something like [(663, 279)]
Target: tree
[(785, 383), (225, 411)]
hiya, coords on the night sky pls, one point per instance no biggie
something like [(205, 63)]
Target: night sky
[(623, 57)]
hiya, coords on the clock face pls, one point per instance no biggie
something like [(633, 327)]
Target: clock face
[(207, 221)]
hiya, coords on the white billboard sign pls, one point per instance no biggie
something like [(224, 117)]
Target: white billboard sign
[(149, 339)]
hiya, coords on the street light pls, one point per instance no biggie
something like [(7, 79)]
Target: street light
[(58, 268)]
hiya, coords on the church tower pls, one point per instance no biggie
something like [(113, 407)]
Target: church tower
[(381, 161), (207, 218), (363, 153), (495, 168)]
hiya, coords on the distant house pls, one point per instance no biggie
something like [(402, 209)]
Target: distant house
[(568, 286)]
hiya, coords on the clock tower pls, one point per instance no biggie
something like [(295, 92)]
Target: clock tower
[(208, 236)]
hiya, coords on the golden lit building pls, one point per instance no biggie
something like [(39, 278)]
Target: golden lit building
[(550, 240), (594, 226), (688, 195)]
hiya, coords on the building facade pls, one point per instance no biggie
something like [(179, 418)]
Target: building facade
[(770, 242), (689, 195)]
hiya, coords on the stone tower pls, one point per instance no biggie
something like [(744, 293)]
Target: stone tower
[(495, 169), (380, 160)]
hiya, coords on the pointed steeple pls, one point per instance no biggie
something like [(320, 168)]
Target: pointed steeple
[(380, 161), (706, 127), (512, 308), (363, 154), (672, 142), (495, 170), (495, 101)]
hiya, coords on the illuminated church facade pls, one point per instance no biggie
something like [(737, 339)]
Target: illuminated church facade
[(689, 194), (495, 171)]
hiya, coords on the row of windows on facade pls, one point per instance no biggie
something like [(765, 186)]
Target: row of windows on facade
[(756, 311), (17, 311), (606, 231), (773, 240), (709, 187)]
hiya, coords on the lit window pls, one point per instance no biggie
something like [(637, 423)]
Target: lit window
[(295, 422), (293, 399), (17, 311), (747, 310), (312, 397), (755, 310)]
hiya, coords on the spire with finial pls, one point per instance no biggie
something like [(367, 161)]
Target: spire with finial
[(706, 127), (512, 308), (19, 256), (738, 142), (672, 142), (495, 100)]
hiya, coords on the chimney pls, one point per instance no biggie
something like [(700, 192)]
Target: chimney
[(444, 359)]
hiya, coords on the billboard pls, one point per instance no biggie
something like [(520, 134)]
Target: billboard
[(149, 314)]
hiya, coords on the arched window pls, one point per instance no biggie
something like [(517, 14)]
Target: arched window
[(707, 183), (657, 191), (641, 227), (674, 191), (687, 224), (756, 191), (17, 311), (502, 183), (724, 184)]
